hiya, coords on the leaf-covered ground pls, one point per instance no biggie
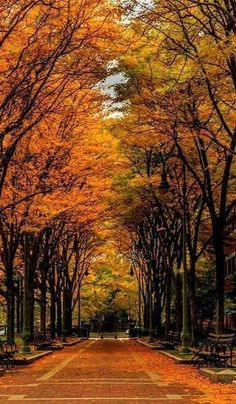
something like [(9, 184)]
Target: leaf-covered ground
[(111, 371), (214, 393)]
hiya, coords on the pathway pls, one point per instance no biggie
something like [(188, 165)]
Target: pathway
[(108, 371)]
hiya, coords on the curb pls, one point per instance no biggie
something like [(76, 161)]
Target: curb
[(71, 343), (24, 361), (183, 361), (157, 348), (176, 359), (223, 376)]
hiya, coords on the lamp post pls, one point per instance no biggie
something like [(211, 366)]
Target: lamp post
[(86, 273), (64, 330), (185, 335), (26, 320), (17, 300), (150, 339), (79, 309), (139, 304), (139, 297)]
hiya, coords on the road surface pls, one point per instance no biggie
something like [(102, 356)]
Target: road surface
[(110, 371)]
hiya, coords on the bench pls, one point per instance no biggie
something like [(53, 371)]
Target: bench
[(7, 354), (215, 351), (171, 341), (134, 332), (42, 343), (107, 334)]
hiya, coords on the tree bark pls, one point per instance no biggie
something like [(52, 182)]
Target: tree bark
[(157, 312), (146, 314), (10, 315), (53, 315), (192, 295), (53, 302), (220, 281), (18, 309), (59, 316), (167, 300), (43, 304), (31, 302), (178, 302), (10, 299), (67, 314)]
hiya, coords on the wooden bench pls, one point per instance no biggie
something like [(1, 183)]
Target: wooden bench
[(42, 343), (171, 341), (7, 354), (107, 334), (215, 351)]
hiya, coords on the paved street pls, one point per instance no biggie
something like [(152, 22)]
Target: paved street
[(110, 371)]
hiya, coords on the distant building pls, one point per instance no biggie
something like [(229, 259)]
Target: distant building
[(230, 272)]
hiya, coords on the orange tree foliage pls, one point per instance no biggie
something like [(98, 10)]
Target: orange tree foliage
[(50, 51), (66, 171), (54, 150), (180, 71)]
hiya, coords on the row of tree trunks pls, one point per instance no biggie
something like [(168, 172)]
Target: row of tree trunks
[(158, 312), (51, 302)]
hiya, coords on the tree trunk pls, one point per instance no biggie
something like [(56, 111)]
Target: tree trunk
[(31, 313), (220, 281), (157, 311), (146, 314), (167, 301), (10, 315), (178, 302), (157, 315), (53, 302), (79, 310), (31, 297), (192, 295), (59, 316), (53, 315), (18, 308), (67, 314), (10, 298), (21, 305), (31, 305), (43, 304)]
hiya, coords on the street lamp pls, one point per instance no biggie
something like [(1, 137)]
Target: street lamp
[(185, 335), (18, 289), (79, 309), (164, 185), (131, 271), (139, 296), (86, 273), (63, 269), (26, 320), (149, 291), (150, 300)]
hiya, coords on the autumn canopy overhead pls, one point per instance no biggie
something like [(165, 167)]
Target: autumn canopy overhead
[(103, 106)]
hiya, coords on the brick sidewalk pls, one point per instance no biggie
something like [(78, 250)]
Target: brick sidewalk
[(101, 371)]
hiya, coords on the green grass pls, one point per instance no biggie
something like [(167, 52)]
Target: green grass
[(217, 370), (179, 355)]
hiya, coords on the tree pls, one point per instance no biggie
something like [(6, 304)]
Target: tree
[(188, 93)]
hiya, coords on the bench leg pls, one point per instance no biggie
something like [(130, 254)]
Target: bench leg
[(6, 364), (202, 362), (195, 360)]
